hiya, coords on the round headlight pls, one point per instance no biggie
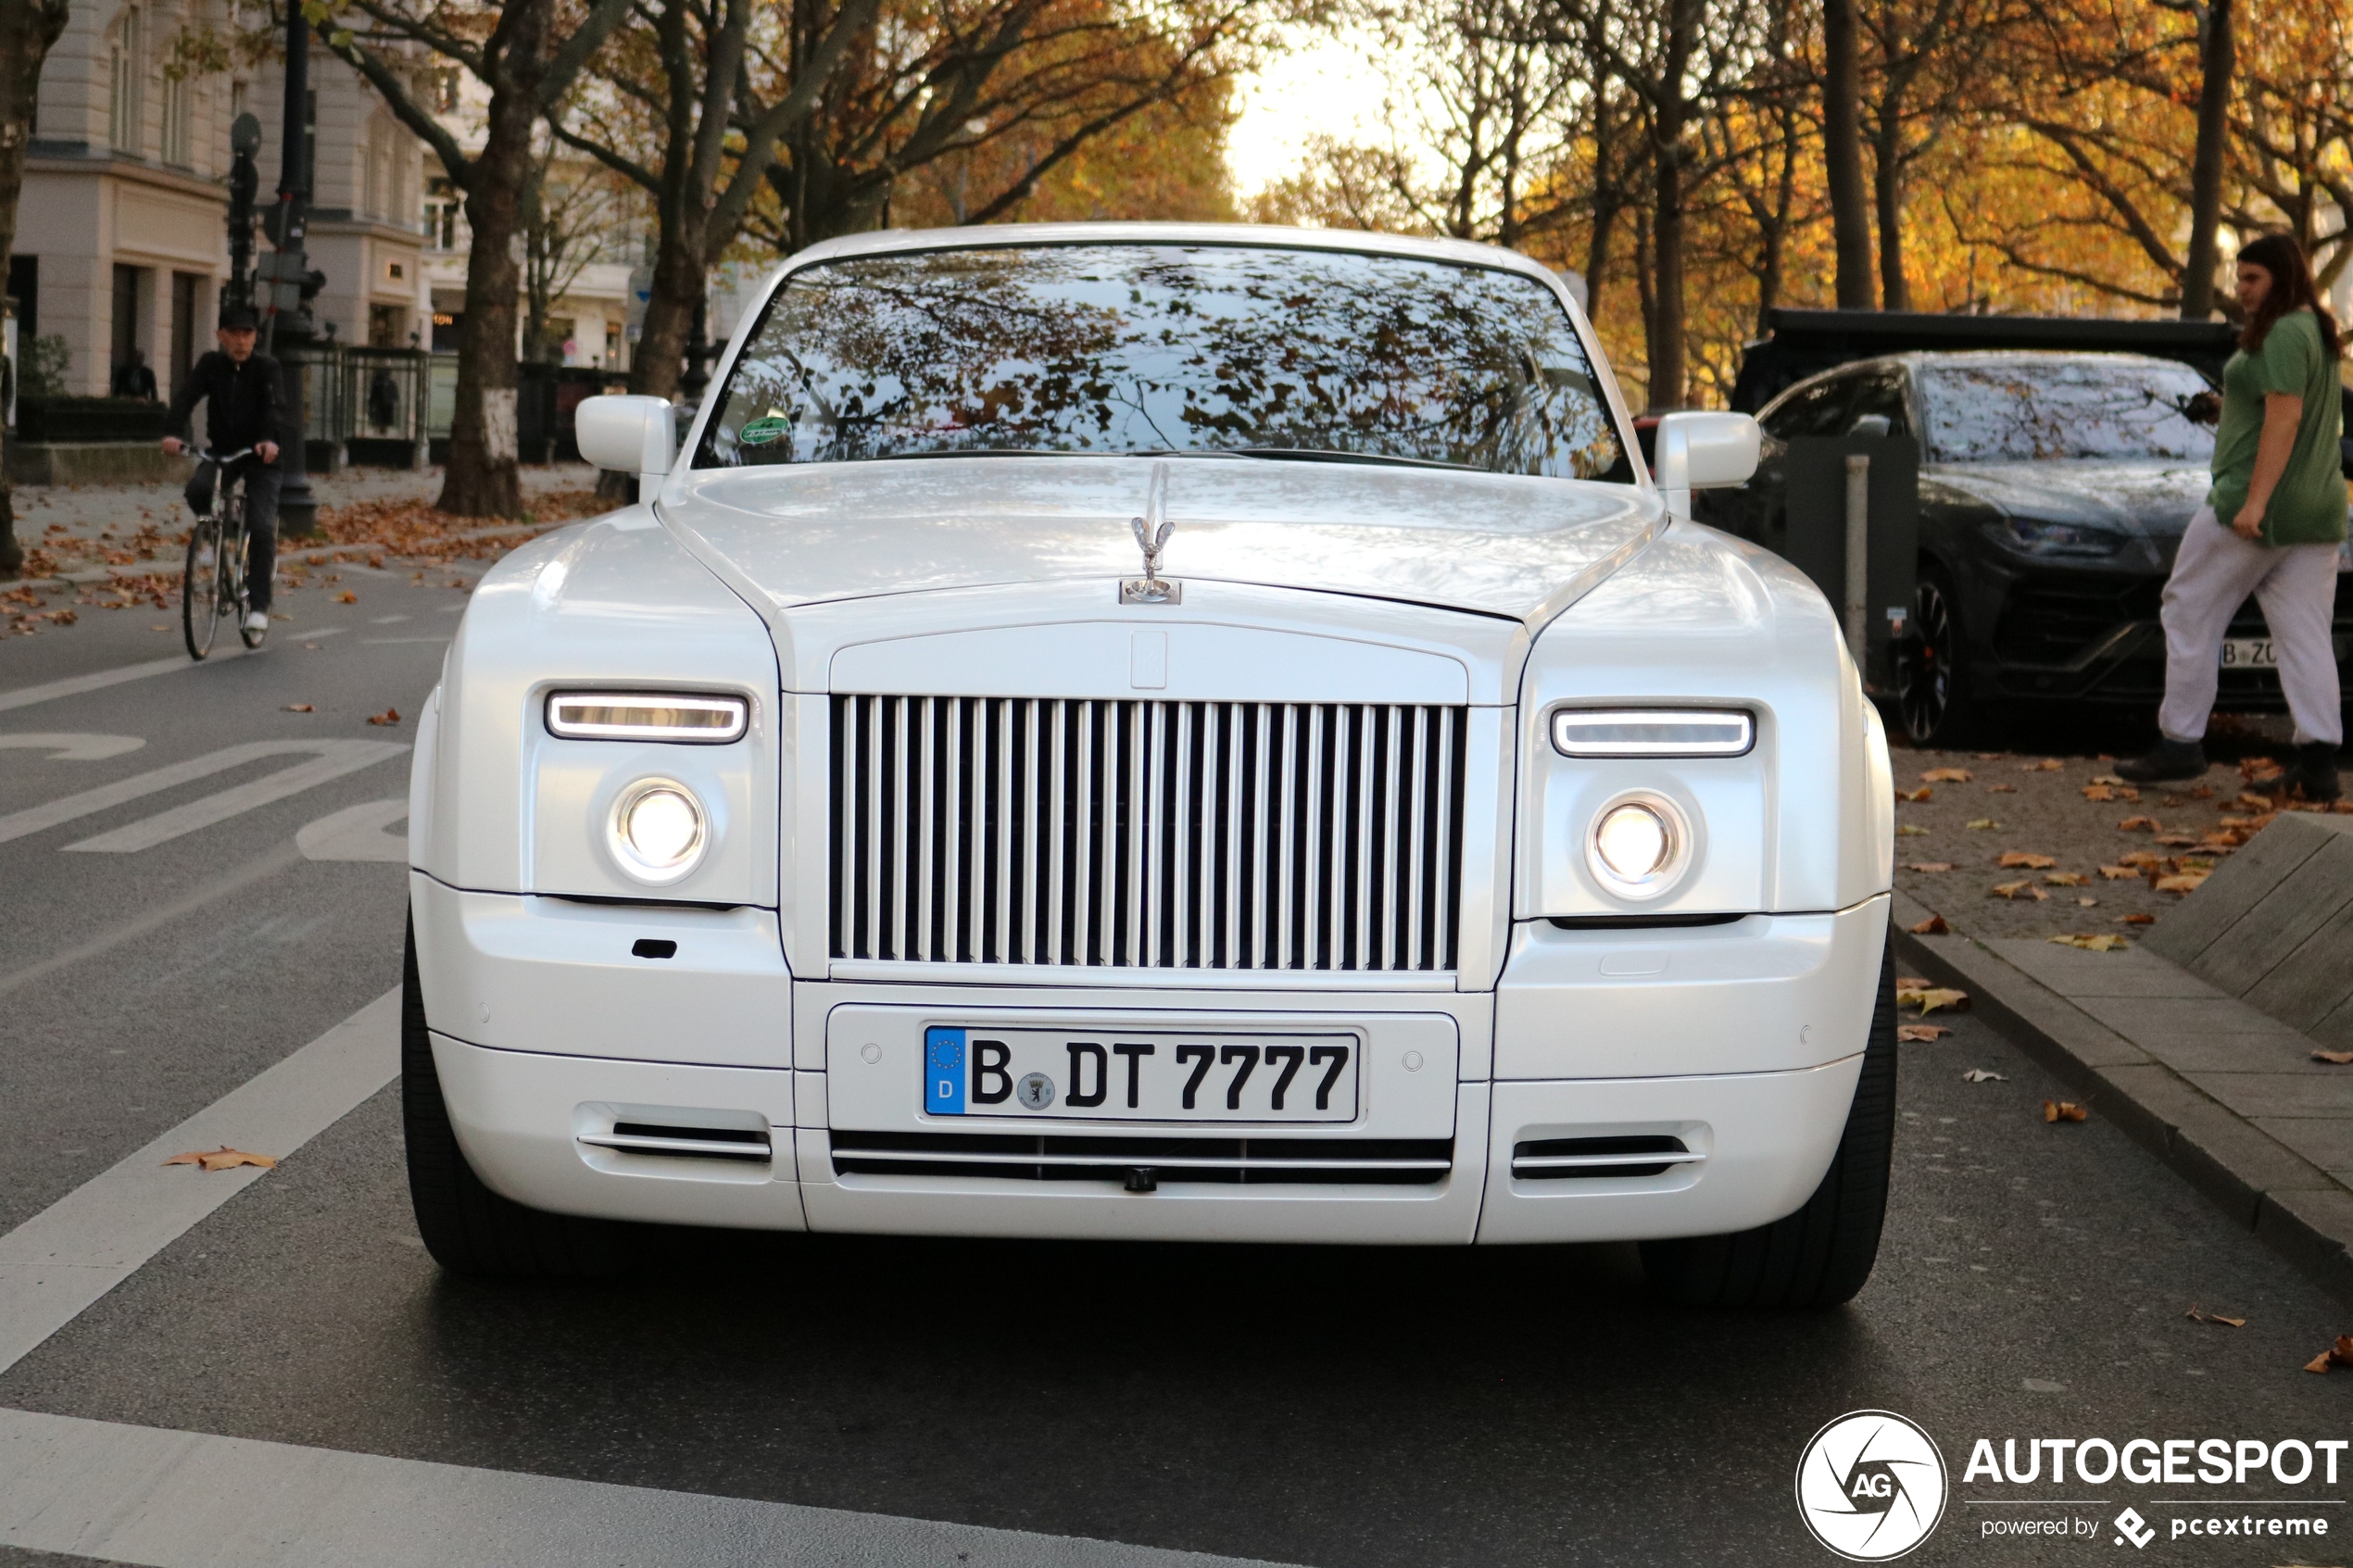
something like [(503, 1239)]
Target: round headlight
[(1637, 846), (658, 829)]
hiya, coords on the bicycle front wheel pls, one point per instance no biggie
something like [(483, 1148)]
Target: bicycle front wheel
[(200, 587)]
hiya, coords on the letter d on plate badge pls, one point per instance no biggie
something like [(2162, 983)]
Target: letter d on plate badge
[(944, 1072)]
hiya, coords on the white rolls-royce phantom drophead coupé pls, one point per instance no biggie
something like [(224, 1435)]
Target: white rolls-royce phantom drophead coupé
[(1156, 732)]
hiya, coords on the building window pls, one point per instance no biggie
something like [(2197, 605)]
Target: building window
[(178, 119), (443, 88), (442, 215), (129, 83)]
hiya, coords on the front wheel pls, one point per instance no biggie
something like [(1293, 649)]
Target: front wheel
[(1821, 1255), (468, 1229), (200, 587), (1928, 666)]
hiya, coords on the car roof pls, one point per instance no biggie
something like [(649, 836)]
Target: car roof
[(1256, 236), (1919, 359)]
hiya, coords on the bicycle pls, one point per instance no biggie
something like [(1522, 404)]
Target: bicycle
[(212, 583)]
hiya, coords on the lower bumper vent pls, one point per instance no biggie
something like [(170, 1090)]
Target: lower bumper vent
[(1139, 1164), (696, 1143), (1569, 1159)]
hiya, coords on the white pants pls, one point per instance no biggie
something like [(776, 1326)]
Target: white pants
[(2296, 586)]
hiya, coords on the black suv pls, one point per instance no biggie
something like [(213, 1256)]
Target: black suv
[(2053, 487)]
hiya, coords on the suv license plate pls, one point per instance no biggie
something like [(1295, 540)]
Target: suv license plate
[(2249, 653), (1112, 1076)]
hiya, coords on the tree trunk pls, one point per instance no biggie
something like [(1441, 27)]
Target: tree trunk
[(675, 292), (1887, 195), (1666, 390), (483, 480), (28, 27), (2218, 60), (1843, 152)]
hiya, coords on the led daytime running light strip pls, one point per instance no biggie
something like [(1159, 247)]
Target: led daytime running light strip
[(1688, 732), (657, 716)]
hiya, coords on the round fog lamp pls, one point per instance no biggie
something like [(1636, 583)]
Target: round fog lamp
[(658, 829), (1637, 847)]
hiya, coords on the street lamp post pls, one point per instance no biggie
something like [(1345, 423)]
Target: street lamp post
[(286, 325)]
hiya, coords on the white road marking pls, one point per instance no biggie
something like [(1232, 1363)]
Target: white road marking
[(356, 833), (25, 697), (74, 747), (57, 1264), (387, 619), (186, 1499), (346, 755), (156, 917), (382, 642)]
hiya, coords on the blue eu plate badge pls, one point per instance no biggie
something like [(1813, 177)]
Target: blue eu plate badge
[(944, 1072)]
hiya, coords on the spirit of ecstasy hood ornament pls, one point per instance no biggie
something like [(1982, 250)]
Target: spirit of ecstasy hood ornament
[(1151, 535)]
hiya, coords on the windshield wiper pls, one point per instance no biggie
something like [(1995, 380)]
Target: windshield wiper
[(1323, 455)]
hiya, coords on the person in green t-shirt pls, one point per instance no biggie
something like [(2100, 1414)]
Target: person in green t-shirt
[(2272, 526)]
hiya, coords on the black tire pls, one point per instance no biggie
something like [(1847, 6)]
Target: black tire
[(468, 1229), (1929, 696), (1821, 1255), (200, 587)]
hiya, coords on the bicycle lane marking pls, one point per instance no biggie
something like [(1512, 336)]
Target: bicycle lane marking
[(348, 757), (57, 1264), (335, 757), (98, 680)]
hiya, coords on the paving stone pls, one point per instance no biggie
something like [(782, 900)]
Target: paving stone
[(2237, 885), (2074, 972), (2176, 1015), (2278, 1094), (2326, 1141), (2307, 984), (2283, 1051), (2284, 918)]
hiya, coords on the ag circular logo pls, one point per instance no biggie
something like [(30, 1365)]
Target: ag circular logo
[(1871, 1485)]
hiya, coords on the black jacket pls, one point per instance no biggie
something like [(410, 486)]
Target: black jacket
[(248, 404)]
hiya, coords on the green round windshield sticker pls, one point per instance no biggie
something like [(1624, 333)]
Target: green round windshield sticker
[(761, 432)]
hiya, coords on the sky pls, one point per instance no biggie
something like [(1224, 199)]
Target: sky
[(1321, 84)]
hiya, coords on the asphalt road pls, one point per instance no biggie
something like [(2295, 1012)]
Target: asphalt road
[(1331, 1407)]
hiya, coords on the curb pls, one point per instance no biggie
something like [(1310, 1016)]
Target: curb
[(2293, 1206)]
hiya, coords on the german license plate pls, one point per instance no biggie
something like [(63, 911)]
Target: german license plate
[(1107, 1075), (2249, 653)]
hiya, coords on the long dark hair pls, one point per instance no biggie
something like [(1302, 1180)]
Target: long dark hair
[(2292, 289)]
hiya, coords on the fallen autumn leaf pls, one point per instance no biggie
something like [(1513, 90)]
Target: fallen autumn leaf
[(2063, 1111), (1945, 775), (389, 716), (1920, 1033), (2339, 1058), (2067, 879), (2016, 859), (298, 707), (222, 1159), (2103, 943), (2197, 1316), (2336, 1355), (2120, 873), (1929, 997), (346, 597), (1932, 927), (1916, 796), (1984, 823), (2138, 824)]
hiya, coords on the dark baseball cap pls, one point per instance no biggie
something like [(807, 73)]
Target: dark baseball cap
[(239, 318)]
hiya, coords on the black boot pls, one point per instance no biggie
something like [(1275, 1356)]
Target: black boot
[(2168, 761), (2315, 771)]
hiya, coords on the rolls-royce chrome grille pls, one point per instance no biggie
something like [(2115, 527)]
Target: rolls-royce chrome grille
[(1147, 834)]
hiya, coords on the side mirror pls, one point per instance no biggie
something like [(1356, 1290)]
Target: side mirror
[(1698, 451), (628, 435)]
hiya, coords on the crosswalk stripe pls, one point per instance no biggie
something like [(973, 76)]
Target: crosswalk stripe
[(350, 756), (354, 754)]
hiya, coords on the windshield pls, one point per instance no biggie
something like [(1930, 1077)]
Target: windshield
[(2017, 408), (1165, 348)]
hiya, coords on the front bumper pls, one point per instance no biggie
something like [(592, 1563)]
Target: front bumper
[(1729, 1053)]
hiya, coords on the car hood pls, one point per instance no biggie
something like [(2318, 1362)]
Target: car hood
[(2154, 498), (1492, 543)]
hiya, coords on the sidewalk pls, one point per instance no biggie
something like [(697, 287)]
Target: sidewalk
[(2227, 1095)]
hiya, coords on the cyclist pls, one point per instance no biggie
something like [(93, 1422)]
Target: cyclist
[(247, 409)]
